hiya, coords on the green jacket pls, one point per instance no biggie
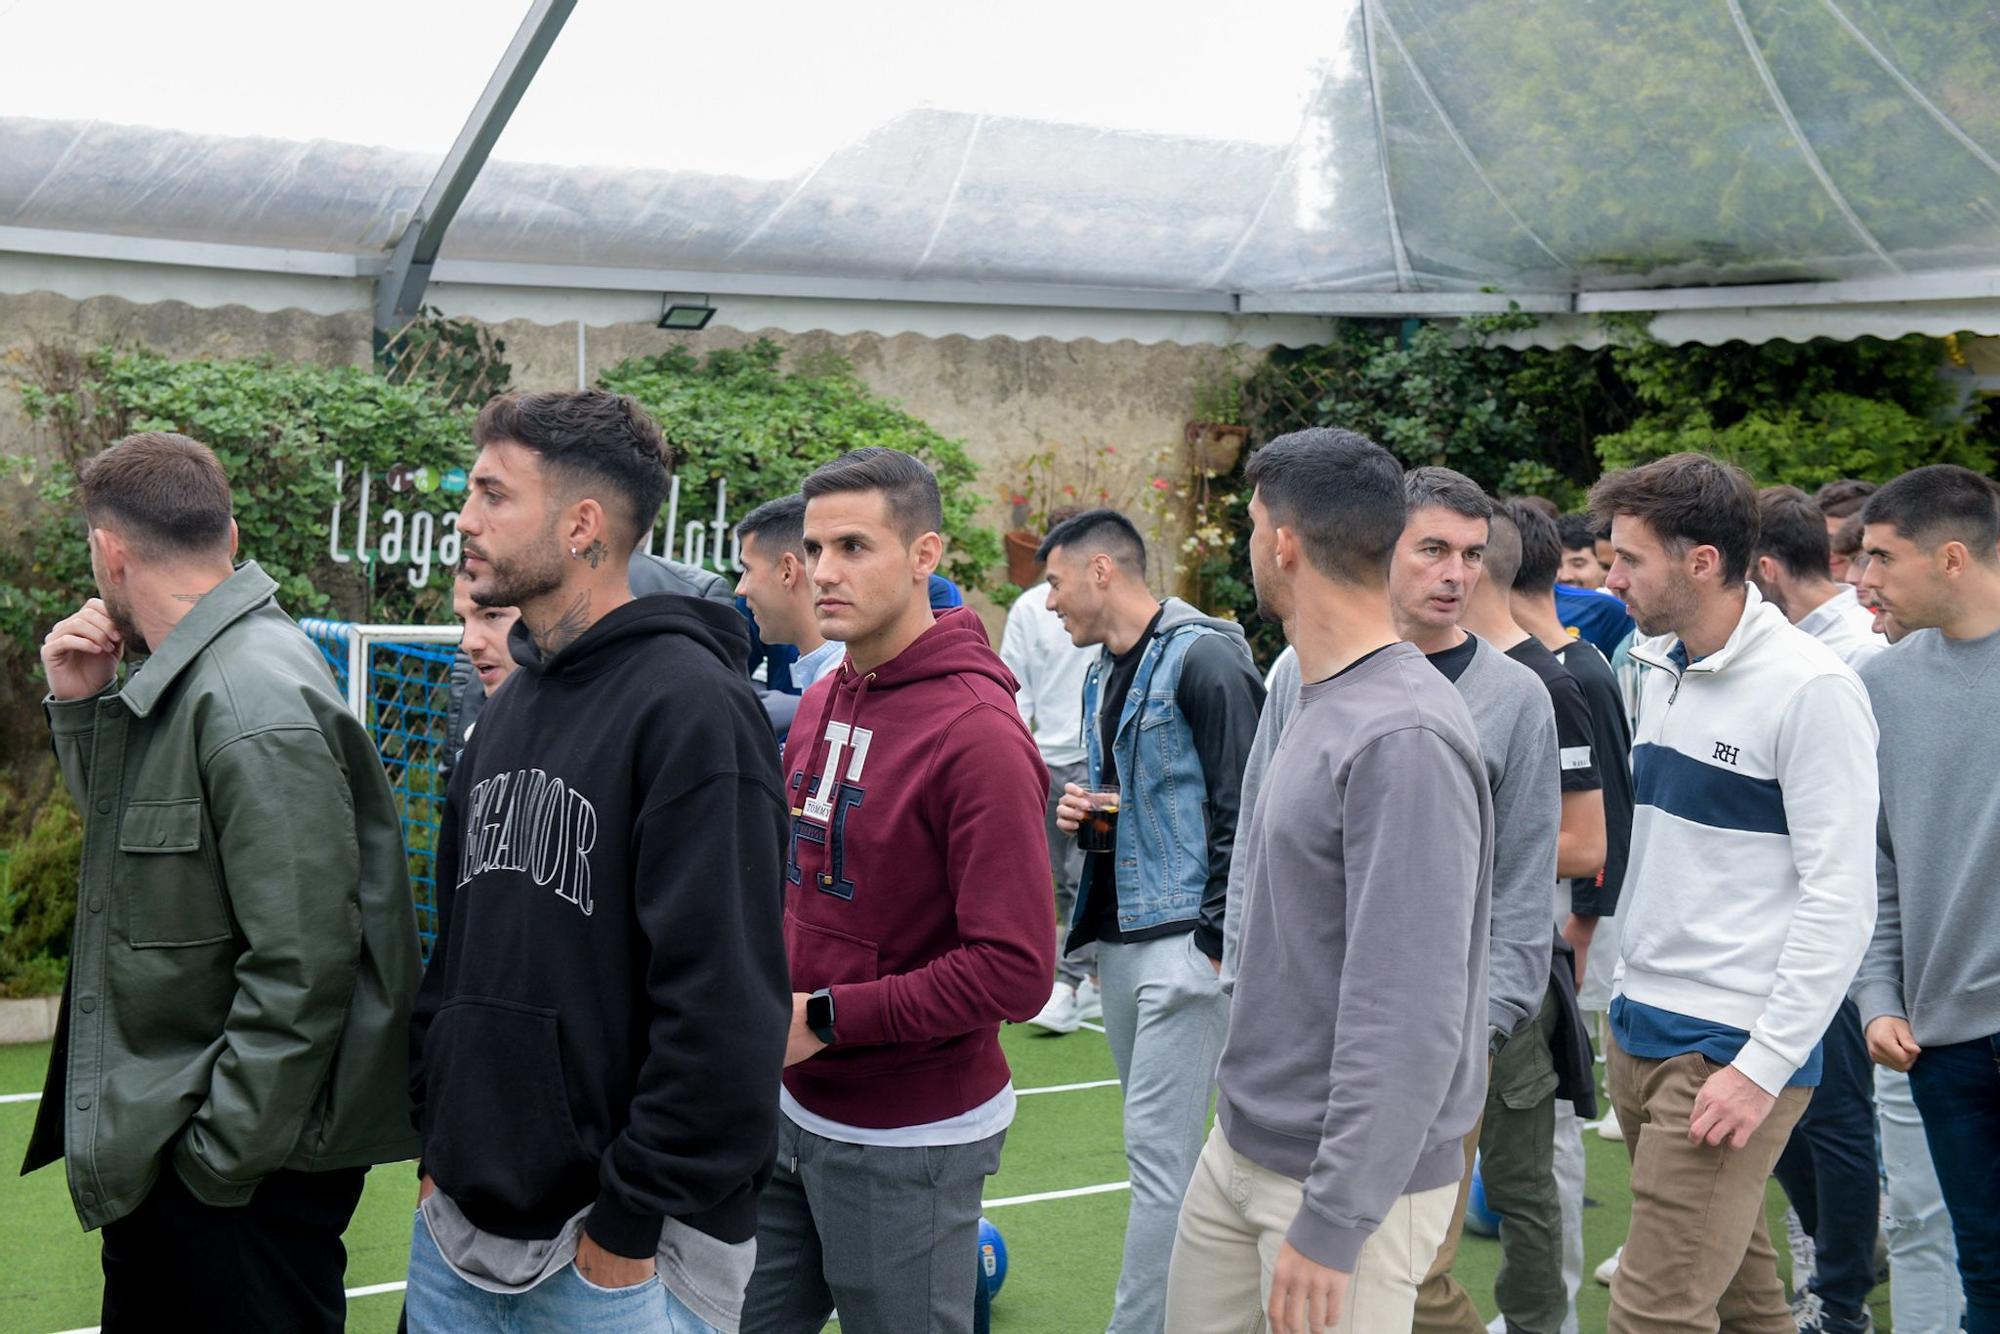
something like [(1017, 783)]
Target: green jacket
[(245, 953)]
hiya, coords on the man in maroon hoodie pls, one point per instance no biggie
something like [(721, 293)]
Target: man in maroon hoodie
[(916, 921)]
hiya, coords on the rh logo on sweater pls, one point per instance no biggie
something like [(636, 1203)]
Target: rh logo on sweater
[(1726, 752), (529, 822)]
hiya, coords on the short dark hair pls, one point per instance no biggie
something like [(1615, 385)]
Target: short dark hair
[(907, 487), (1099, 530), (1502, 558), (165, 494), (1547, 507), (1340, 492), (1541, 547), (779, 525), (588, 440), (1844, 498), (1941, 503), (1791, 529), (1445, 489), (1846, 539), (1689, 500), (1576, 532)]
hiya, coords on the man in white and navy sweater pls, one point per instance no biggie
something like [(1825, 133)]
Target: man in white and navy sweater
[(1749, 897)]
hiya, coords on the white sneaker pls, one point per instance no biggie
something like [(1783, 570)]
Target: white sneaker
[(1805, 1257), (1060, 1014), (1604, 1271), (1089, 1001), (1610, 1129)]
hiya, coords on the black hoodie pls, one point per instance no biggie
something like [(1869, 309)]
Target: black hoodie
[(605, 1012)]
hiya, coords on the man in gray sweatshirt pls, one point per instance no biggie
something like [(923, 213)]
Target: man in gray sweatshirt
[(1929, 987), (1437, 563), (1354, 1064)]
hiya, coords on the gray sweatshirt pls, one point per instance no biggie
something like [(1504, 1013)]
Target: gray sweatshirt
[(1935, 955), (1356, 1059), (1516, 726)]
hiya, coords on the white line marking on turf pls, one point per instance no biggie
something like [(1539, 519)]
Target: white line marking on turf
[(1095, 1028), (1105, 1189), (20, 1097), (372, 1290), (1067, 1088)]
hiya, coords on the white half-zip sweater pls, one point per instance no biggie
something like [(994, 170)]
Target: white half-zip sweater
[(1750, 894)]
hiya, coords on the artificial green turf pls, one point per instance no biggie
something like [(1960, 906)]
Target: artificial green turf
[(1063, 1254)]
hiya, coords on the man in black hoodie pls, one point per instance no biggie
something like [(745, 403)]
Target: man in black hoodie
[(597, 1041)]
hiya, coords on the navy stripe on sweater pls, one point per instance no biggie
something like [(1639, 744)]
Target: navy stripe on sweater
[(1706, 794)]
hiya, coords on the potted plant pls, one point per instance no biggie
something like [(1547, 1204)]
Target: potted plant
[(1048, 483), (1215, 434)]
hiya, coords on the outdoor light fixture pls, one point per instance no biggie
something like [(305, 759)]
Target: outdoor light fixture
[(687, 316)]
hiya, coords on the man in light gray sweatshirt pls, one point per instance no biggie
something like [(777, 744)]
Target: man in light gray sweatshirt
[(1929, 986), (1355, 1064)]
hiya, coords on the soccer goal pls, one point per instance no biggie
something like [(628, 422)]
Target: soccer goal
[(397, 680)]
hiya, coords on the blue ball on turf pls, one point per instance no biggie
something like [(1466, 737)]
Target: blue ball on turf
[(992, 1258), (1480, 1220)]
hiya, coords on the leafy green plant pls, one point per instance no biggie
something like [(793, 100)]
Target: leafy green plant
[(1797, 413), (277, 430), (43, 841), (738, 415)]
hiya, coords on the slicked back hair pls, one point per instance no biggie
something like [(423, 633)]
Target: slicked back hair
[(1844, 498), (1791, 530), (165, 494), (1442, 488), (1576, 532), (1341, 493), (592, 445), (778, 525), (1541, 548), (1095, 532), (1689, 500), (907, 487), (1941, 503)]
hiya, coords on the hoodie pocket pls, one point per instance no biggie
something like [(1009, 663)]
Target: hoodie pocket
[(497, 1127), (823, 957)]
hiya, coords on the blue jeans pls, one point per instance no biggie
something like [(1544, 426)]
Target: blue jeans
[(1829, 1170), (1957, 1088), (438, 1301)]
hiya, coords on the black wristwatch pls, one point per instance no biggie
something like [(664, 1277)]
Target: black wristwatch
[(819, 1015)]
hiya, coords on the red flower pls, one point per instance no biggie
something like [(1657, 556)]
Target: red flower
[(1159, 483)]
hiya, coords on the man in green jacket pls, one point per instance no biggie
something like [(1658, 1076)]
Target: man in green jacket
[(232, 1052)]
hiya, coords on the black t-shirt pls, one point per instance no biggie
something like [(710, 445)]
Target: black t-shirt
[(1117, 685), (1598, 896), (1453, 661), (1575, 737)]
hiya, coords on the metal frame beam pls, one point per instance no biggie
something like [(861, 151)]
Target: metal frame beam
[(399, 292), (1951, 286)]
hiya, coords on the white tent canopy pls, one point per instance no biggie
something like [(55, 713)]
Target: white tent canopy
[(1758, 167)]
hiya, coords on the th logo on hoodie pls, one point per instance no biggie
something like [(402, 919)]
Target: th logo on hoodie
[(823, 817)]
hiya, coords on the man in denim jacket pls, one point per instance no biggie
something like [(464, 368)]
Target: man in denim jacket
[(1170, 709)]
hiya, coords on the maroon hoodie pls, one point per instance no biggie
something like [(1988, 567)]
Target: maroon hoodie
[(917, 878)]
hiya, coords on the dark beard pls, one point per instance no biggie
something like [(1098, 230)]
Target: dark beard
[(516, 583), (121, 617)]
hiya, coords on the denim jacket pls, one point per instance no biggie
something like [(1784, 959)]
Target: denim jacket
[(1162, 856)]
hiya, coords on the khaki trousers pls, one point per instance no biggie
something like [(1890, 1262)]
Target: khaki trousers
[(1698, 1256), (1233, 1221)]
